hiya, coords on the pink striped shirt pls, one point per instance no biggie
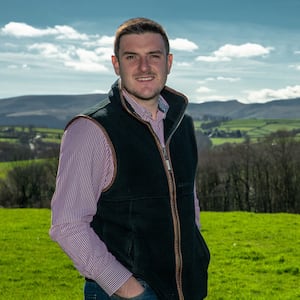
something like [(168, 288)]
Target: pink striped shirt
[(85, 169)]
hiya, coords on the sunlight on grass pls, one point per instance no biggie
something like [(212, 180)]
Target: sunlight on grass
[(253, 256)]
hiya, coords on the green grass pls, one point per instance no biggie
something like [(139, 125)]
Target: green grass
[(49, 135), (254, 256), (10, 140), (221, 141), (254, 128), (32, 266)]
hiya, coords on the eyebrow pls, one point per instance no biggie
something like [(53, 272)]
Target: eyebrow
[(135, 53)]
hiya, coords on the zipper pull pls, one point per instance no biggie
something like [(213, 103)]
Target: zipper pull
[(167, 159)]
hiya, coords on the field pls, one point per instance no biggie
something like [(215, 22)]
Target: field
[(254, 256), (11, 134), (254, 128)]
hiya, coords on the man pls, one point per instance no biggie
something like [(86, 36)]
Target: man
[(125, 208)]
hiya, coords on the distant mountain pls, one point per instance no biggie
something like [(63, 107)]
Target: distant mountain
[(54, 111), (277, 109)]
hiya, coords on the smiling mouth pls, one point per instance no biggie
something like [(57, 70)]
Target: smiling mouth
[(145, 78)]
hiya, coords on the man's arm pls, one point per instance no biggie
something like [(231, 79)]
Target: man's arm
[(197, 208), (84, 169)]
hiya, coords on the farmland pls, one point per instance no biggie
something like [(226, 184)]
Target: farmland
[(255, 129), (13, 134)]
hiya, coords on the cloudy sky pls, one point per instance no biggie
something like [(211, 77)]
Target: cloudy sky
[(223, 49)]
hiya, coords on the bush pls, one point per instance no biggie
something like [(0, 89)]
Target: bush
[(29, 185)]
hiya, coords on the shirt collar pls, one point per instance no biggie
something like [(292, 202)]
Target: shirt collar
[(163, 106)]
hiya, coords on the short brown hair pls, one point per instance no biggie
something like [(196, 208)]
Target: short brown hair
[(139, 26)]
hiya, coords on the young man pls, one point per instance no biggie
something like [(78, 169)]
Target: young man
[(125, 208)]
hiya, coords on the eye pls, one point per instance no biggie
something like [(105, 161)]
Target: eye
[(130, 57), (155, 56)]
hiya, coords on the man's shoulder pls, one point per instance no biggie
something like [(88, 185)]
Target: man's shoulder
[(97, 108)]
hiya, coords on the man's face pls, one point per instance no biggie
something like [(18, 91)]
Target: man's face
[(143, 65)]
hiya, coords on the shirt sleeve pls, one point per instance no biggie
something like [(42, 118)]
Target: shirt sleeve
[(85, 168), (197, 208)]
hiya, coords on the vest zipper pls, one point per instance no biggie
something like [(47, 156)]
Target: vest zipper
[(173, 203), (175, 215), (176, 225)]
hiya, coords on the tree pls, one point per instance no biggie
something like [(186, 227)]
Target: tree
[(261, 177), (29, 185)]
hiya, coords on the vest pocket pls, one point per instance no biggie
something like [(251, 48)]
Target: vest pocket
[(205, 255)]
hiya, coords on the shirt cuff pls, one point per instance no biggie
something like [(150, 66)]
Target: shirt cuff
[(112, 278)]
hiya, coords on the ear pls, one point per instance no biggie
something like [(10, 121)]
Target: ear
[(115, 63), (169, 61)]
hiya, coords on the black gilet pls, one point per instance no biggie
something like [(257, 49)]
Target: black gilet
[(146, 217)]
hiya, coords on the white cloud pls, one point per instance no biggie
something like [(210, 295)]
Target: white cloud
[(183, 45), (220, 78), (297, 52), (87, 66), (19, 30), (183, 64), (104, 54), (203, 89), (24, 30), (106, 41), (87, 61), (86, 55), (245, 50), (212, 58), (67, 32), (229, 51), (296, 67), (265, 95), (200, 99), (230, 79), (76, 58), (15, 67), (49, 50)]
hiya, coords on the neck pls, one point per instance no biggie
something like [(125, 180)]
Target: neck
[(150, 105)]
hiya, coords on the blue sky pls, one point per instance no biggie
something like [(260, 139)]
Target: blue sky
[(223, 49)]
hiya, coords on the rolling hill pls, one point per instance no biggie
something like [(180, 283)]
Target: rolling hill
[(54, 111)]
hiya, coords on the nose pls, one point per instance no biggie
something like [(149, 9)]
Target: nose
[(144, 64)]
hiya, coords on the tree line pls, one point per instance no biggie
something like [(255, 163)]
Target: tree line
[(261, 177), (258, 177)]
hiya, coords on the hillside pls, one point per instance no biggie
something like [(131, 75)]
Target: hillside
[(54, 111), (277, 109), (51, 111)]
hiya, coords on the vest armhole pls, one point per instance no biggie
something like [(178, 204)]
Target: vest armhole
[(113, 152)]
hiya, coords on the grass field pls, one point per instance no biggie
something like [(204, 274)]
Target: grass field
[(49, 135), (254, 128), (254, 256)]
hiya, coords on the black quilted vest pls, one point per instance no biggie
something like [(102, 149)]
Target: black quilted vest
[(147, 217)]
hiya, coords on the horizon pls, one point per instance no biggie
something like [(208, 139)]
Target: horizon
[(249, 52), (190, 102)]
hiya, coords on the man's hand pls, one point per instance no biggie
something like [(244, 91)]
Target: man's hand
[(131, 288)]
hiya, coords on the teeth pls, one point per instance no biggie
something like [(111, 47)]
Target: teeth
[(145, 78)]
